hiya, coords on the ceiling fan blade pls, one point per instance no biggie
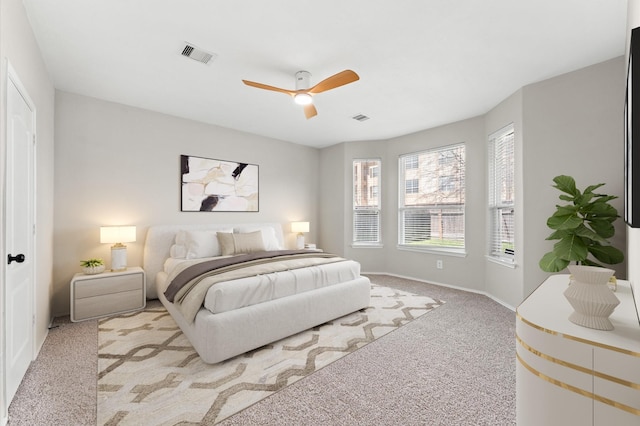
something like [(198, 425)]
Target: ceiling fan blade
[(310, 111), (267, 87), (336, 80)]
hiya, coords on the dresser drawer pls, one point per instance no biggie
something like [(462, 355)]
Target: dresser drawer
[(107, 285), (97, 306)]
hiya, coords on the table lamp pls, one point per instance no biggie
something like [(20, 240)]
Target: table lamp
[(117, 235), (300, 228)]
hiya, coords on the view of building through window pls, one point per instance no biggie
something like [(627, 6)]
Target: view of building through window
[(366, 201), (432, 198)]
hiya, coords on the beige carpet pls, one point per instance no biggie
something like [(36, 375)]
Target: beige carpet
[(150, 374)]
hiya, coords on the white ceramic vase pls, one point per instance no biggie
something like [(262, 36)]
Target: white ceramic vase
[(592, 299)]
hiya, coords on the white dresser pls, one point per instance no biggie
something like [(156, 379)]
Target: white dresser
[(571, 375)]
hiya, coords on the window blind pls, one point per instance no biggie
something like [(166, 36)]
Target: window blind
[(366, 201), (501, 194)]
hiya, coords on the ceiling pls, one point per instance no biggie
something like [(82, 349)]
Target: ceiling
[(422, 63)]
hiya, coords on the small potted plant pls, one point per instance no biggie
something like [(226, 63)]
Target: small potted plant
[(92, 266)]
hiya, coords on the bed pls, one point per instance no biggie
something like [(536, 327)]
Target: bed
[(273, 293)]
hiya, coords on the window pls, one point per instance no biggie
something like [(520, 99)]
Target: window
[(432, 194), (501, 195), (366, 202), (411, 186)]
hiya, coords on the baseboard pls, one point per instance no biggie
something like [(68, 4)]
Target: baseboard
[(468, 290)]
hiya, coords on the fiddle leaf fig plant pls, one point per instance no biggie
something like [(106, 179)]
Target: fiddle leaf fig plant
[(581, 227)]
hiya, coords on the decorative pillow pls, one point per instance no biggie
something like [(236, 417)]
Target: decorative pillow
[(202, 243), (268, 235), (231, 243)]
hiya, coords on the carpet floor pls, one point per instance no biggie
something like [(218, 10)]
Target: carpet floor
[(454, 366)]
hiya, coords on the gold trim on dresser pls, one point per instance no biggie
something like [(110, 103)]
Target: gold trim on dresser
[(577, 339), (577, 390)]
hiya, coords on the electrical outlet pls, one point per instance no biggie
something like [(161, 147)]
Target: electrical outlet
[(439, 264)]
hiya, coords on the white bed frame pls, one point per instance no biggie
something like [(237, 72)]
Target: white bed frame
[(217, 337)]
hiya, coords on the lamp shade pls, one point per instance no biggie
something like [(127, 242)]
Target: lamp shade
[(117, 234), (299, 226)]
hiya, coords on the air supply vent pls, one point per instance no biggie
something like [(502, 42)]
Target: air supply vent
[(360, 117), (190, 51)]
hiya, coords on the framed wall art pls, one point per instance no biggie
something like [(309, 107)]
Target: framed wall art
[(210, 185)]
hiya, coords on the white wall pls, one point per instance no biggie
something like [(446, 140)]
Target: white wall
[(18, 45), (120, 165)]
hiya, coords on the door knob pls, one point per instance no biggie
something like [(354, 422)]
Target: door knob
[(19, 258)]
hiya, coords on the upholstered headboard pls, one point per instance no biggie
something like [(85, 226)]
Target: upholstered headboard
[(160, 238)]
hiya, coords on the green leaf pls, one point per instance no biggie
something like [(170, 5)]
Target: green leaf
[(590, 188), (603, 227), (571, 248), (566, 184), (556, 235), (565, 210), (601, 210), (552, 263), (607, 254), (564, 222), (583, 231), (565, 197)]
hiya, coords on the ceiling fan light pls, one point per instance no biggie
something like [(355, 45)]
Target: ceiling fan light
[(302, 99)]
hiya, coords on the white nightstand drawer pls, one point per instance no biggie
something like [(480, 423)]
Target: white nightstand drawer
[(106, 285), (98, 306)]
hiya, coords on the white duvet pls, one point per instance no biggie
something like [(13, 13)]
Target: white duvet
[(229, 295)]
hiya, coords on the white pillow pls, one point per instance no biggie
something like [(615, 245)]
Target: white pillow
[(268, 235), (202, 243)]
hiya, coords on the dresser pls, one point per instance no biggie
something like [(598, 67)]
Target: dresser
[(108, 293), (571, 375)]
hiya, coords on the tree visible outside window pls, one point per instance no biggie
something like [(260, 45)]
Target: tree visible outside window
[(366, 201), (431, 215), (501, 195)]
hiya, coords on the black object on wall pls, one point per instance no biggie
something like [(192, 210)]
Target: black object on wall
[(631, 129)]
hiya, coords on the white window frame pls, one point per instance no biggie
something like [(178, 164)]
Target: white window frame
[(501, 200), (436, 203), (364, 211)]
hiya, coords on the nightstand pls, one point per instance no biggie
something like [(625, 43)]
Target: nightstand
[(108, 293)]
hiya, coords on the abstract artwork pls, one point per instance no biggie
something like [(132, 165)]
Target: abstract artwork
[(210, 185)]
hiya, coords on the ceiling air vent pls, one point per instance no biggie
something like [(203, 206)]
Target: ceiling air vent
[(360, 117), (196, 54)]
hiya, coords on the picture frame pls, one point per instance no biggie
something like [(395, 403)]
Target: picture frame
[(212, 185)]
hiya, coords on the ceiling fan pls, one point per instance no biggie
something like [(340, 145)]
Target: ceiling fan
[(303, 94)]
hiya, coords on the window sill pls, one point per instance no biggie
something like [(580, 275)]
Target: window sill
[(440, 251), (354, 245), (507, 263)]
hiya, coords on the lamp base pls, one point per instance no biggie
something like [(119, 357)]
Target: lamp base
[(300, 242), (118, 257)]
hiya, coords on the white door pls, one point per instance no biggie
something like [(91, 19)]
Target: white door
[(19, 232)]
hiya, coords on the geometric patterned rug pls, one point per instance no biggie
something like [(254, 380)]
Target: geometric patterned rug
[(149, 374)]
